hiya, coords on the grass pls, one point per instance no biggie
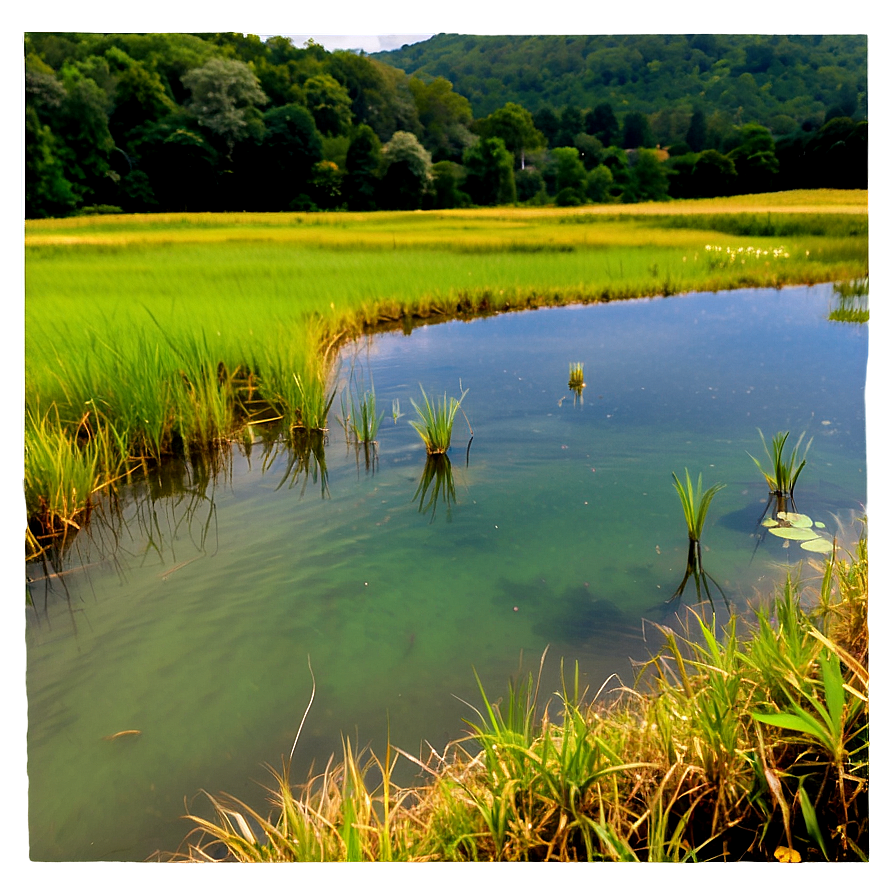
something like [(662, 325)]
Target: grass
[(695, 505), (576, 377), (173, 333), (747, 741), (782, 473), (435, 421)]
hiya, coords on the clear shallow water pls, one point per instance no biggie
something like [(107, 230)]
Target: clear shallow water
[(192, 614)]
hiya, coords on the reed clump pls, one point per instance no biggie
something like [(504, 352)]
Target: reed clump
[(435, 420), (747, 741)]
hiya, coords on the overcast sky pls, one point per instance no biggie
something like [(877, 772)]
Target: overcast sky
[(369, 43)]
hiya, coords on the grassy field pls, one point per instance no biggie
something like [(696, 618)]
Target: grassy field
[(152, 335)]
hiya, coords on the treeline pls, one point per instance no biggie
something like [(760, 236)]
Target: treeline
[(212, 122)]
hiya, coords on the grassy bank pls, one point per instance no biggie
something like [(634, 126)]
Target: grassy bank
[(156, 335), (743, 742)]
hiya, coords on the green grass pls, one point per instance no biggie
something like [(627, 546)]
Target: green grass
[(782, 472), (172, 333), (744, 742), (435, 421)]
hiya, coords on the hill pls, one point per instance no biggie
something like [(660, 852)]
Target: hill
[(779, 81)]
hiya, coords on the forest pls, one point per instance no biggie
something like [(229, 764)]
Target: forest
[(231, 122)]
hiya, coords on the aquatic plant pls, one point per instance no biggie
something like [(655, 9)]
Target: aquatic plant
[(695, 504), (783, 472), (852, 302), (359, 415), (576, 376), (435, 421)]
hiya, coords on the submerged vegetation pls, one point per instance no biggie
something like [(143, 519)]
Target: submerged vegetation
[(231, 320), (747, 741)]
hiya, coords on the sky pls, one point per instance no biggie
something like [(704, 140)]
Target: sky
[(369, 43)]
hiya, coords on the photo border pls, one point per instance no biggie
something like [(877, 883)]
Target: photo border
[(875, 18)]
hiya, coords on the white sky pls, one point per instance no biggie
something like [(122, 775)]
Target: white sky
[(369, 42)]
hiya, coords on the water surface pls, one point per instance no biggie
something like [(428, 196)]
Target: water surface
[(192, 613)]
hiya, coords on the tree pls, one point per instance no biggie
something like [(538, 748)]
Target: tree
[(566, 171), (446, 179), (714, 174), (755, 159), (572, 123), (329, 103), (407, 172), (363, 161), (696, 135), (648, 180), (598, 183), (490, 169), (600, 122), (546, 121), (514, 126), (636, 131), (224, 94), (445, 116), (290, 149)]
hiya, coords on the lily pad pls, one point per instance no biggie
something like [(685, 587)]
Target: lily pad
[(768, 522), (795, 532), (819, 525), (817, 546), (800, 520)]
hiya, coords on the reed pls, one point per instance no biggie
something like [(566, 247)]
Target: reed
[(695, 502), (782, 473), (435, 420)]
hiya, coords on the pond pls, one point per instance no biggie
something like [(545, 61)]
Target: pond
[(195, 611)]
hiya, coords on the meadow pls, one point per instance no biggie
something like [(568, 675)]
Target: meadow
[(149, 336)]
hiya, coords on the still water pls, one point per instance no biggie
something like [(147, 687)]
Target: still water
[(193, 611)]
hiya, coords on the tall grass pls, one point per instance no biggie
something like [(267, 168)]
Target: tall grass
[(742, 742)]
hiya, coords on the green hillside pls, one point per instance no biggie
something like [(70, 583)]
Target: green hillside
[(779, 81)]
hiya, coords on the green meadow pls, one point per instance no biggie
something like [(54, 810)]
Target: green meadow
[(149, 336)]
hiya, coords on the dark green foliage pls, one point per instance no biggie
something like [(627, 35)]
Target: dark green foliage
[(291, 148), (696, 135), (446, 179), (407, 172), (157, 122), (513, 125), (490, 173), (602, 123), (530, 185), (362, 165), (636, 131)]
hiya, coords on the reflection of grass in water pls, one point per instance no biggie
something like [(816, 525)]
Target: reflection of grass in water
[(436, 485), (852, 305)]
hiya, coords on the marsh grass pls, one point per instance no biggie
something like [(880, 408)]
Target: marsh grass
[(576, 377), (695, 505), (435, 420), (852, 302), (782, 472), (747, 741)]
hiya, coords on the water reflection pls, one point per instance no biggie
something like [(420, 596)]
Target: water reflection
[(436, 486)]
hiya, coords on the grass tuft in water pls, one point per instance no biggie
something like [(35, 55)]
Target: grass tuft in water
[(783, 472), (435, 421)]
